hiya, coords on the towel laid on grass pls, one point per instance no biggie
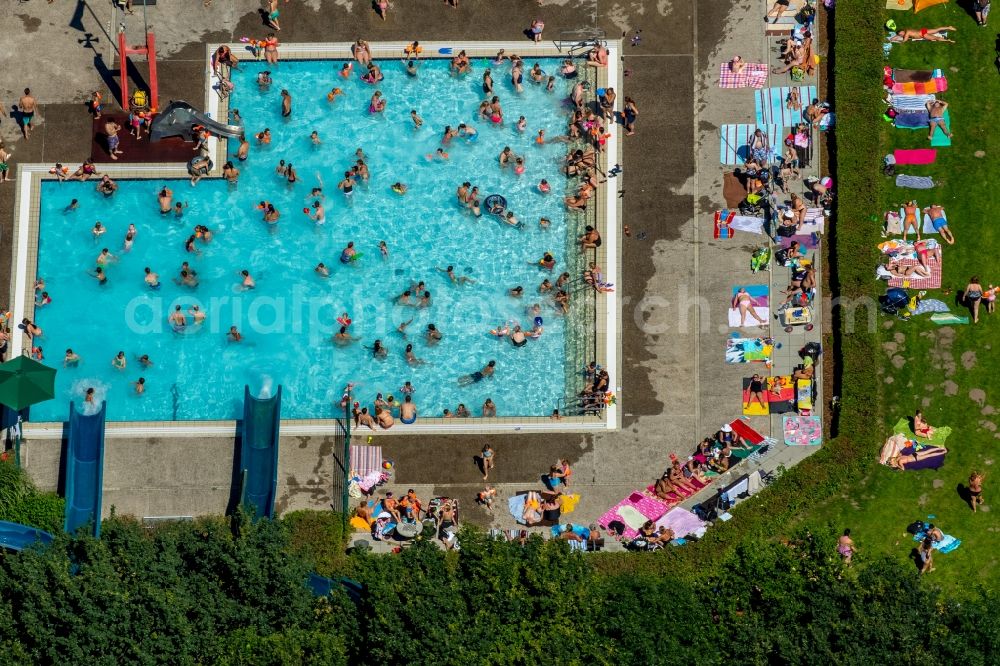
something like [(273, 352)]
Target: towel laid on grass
[(928, 226), (935, 85), (947, 543), (912, 119), (929, 305), (914, 182), (914, 75), (901, 5), (754, 75), (911, 102), (916, 282), (939, 138), (940, 434), (948, 319), (914, 155)]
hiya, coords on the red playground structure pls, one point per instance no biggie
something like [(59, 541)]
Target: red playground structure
[(149, 50)]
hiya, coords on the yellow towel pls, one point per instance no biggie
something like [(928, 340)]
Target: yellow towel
[(567, 503), (360, 524)]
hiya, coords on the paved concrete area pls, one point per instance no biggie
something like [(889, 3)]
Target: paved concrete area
[(676, 386)]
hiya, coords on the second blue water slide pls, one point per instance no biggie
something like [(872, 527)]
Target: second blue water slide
[(259, 451), (14, 536), (85, 470)]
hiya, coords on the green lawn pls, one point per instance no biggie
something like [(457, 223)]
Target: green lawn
[(942, 365)]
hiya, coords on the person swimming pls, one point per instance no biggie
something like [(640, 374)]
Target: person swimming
[(348, 254), (478, 375)]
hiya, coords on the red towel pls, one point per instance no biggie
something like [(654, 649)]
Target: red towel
[(915, 155), (743, 429)]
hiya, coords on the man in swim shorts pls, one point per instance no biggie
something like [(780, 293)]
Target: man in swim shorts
[(935, 111), (27, 105), (111, 128), (407, 411), (940, 222)]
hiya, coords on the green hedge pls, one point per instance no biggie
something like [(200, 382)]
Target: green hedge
[(21, 502)]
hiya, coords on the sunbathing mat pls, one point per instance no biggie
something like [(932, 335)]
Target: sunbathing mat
[(915, 282), (810, 242), (733, 141), (814, 223), (948, 319), (928, 227), (914, 155), (634, 510), (935, 85), (758, 293), (902, 5), (914, 75), (911, 119), (947, 543), (732, 190), (779, 397), (939, 138), (678, 496), (911, 102), (802, 430), (940, 434), (748, 350), (772, 105), (914, 182), (745, 431), (682, 523), (720, 227), (754, 75)]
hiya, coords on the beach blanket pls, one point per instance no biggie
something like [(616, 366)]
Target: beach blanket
[(902, 427), (929, 305), (916, 282), (733, 190), (754, 75), (939, 138), (928, 226), (921, 5), (680, 494), (771, 105), (779, 397), (914, 155), (365, 459), (935, 85), (827, 120), (914, 75), (814, 223), (911, 119), (893, 224), (947, 543), (754, 225), (682, 523), (911, 102), (759, 304), (810, 241), (802, 430), (748, 350), (948, 319), (633, 511), (914, 182), (744, 431), (928, 457), (721, 228), (733, 141)]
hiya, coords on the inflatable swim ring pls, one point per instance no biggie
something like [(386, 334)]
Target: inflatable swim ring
[(495, 201)]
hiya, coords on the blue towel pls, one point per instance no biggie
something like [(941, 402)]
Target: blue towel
[(914, 182), (772, 108), (912, 120), (947, 544), (930, 305), (733, 144)]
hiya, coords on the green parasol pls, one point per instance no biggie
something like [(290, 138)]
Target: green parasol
[(24, 382)]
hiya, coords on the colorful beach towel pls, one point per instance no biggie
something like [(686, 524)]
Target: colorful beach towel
[(911, 102), (921, 5), (682, 523), (749, 350), (914, 155), (935, 85), (365, 459), (744, 431), (632, 512), (779, 397), (754, 75), (947, 543), (802, 430), (759, 303), (733, 141), (772, 105), (914, 182), (939, 138), (948, 319), (916, 282)]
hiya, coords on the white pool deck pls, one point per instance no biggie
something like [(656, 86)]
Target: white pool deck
[(25, 253)]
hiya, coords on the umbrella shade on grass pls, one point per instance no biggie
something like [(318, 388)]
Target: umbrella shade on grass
[(24, 382)]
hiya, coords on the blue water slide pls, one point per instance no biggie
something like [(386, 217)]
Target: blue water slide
[(85, 470), (14, 536), (259, 451)]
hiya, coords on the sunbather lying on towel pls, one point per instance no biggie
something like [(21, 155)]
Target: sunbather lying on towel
[(921, 428), (893, 268), (910, 219), (743, 302), (935, 111), (665, 489), (940, 223), (676, 474), (926, 34), (532, 514)]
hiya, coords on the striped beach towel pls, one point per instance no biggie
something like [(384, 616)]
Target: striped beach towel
[(911, 102), (754, 75), (814, 222), (935, 85), (772, 105), (365, 459), (734, 149)]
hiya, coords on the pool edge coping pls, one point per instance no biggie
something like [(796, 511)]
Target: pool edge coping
[(26, 225)]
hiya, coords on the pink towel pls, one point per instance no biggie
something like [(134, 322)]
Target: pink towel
[(754, 75), (915, 155)]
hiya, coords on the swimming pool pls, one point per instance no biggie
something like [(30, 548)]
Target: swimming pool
[(287, 320)]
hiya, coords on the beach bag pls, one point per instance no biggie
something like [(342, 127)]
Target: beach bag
[(916, 527)]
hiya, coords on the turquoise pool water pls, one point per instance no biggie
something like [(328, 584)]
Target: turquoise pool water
[(288, 319)]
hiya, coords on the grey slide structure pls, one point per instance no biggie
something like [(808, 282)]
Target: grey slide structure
[(179, 118)]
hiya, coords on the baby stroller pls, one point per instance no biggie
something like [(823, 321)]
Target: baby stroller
[(753, 205), (894, 302)]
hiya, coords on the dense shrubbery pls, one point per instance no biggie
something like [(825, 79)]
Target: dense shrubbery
[(21, 502), (233, 593)]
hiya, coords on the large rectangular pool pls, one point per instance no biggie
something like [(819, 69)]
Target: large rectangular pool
[(288, 319)]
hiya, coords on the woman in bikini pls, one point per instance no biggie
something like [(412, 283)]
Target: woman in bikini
[(920, 427), (271, 48), (975, 489), (910, 218), (362, 52), (743, 302)]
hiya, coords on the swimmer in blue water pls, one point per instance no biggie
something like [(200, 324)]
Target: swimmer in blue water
[(478, 375), (347, 256), (411, 358), (342, 337), (177, 319), (456, 279), (378, 350), (469, 133), (433, 335)]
